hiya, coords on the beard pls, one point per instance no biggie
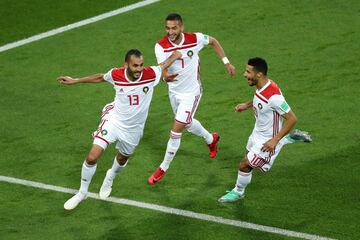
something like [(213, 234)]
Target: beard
[(252, 81), (175, 38), (134, 75)]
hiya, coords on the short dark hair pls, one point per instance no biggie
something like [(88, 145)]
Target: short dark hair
[(259, 64), (132, 52), (174, 17)]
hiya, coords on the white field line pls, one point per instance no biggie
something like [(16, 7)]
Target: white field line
[(75, 25), (169, 210)]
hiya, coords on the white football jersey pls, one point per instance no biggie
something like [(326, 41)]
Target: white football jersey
[(269, 104), (133, 98), (188, 67)]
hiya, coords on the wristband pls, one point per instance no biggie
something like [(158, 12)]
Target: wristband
[(225, 60)]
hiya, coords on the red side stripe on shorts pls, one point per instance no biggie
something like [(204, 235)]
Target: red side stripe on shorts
[(102, 122), (189, 118), (107, 110)]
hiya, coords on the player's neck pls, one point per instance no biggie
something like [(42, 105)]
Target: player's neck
[(129, 77), (179, 40), (262, 82)]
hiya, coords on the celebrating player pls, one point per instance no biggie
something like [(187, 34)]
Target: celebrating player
[(269, 135), (122, 120), (185, 92)]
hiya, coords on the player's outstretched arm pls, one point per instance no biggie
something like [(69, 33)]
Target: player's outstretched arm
[(173, 57), (96, 78), (221, 53), (167, 63), (243, 106), (290, 121)]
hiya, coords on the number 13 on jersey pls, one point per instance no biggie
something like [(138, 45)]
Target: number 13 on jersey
[(133, 100)]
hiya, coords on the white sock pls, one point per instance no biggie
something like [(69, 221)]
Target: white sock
[(116, 168), (172, 147), (87, 172), (242, 181), (196, 128)]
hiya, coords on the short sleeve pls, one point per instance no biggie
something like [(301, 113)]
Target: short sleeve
[(202, 39), (159, 53), (108, 76), (158, 73), (279, 104)]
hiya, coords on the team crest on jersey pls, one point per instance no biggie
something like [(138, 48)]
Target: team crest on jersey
[(260, 106), (190, 53), (104, 132), (145, 89)]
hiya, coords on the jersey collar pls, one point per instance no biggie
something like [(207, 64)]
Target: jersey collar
[(136, 80), (264, 87), (181, 43)]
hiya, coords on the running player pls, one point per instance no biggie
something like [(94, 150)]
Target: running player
[(185, 92), (121, 121), (269, 134)]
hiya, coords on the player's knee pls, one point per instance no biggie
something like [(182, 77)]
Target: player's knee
[(121, 159), (244, 166), (91, 159)]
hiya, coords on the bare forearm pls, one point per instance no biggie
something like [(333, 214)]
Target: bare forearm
[(249, 104), (217, 47), (243, 106), (96, 78), (290, 121), (221, 54), (173, 57)]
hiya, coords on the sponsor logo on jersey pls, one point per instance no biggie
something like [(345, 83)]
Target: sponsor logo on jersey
[(190, 53), (260, 106), (121, 90), (284, 106), (145, 89), (104, 132)]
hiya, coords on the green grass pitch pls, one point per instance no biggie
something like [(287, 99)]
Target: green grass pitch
[(312, 48)]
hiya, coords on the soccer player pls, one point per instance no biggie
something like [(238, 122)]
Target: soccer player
[(185, 92), (123, 120), (269, 134)]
